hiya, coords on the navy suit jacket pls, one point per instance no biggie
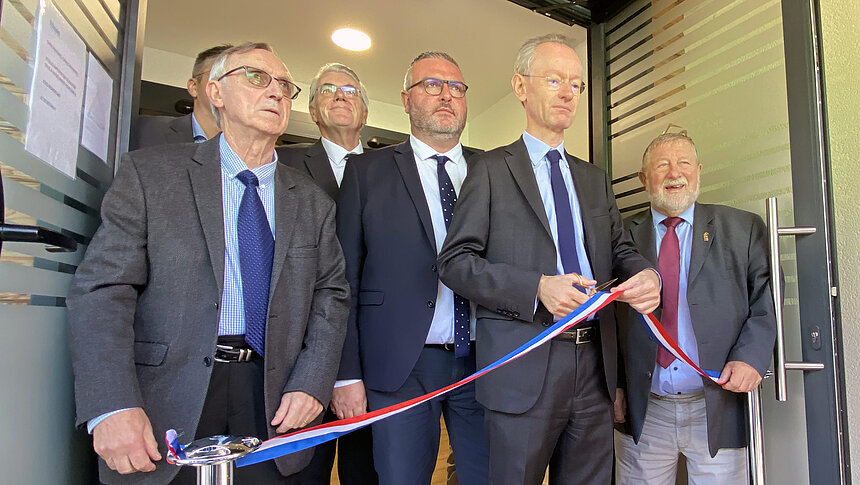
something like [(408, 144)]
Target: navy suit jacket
[(160, 130), (311, 158), (384, 226)]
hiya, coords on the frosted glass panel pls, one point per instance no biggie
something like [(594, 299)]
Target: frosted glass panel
[(717, 69)]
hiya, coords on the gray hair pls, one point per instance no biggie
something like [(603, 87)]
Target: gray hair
[(664, 139), (526, 54), (219, 66), (407, 80), (337, 67)]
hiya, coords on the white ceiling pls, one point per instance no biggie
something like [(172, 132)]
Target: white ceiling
[(483, 35)]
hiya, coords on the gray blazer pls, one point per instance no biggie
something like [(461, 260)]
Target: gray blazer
[(731, 307), (149, 131), (498, 246), (144, 304)]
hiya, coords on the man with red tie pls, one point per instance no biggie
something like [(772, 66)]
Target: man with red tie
[(717, 305)]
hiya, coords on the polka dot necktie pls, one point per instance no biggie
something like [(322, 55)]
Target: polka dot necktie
[(461, 305), (256, 252)]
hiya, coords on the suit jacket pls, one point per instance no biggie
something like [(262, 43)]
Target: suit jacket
[(384, 226), (160, 130), (144, 303), (498, 246), (311, 159), (731, 307)]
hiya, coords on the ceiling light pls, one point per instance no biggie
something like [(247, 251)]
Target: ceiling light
[(351, 39)]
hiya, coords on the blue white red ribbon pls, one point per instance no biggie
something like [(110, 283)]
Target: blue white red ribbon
[(310, 437)]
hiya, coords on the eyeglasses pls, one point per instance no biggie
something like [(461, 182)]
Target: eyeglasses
[(554, 83), (681, 130), (433, 87), (261, 79), (329, 89)]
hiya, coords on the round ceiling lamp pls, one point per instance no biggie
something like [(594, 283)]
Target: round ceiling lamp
[(351, 39)]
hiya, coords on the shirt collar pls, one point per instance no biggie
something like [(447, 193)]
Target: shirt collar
[(538, 149), (196, 131), (336, 152), (687, 215), (231, 164), (423, 151)]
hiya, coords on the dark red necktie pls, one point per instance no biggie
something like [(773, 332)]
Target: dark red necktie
[(669, 263)]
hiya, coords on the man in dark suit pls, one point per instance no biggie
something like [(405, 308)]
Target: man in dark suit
[(338, 105), (197, 126), (178, 319), (533, 226), (408, 333), (718, 306)]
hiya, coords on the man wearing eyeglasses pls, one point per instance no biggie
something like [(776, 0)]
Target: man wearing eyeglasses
[(338, 105), (534, 226), (212, 299), (408, 333), (718, 307), (197, 126)]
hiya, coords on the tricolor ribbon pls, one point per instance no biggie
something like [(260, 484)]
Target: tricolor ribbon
[(310, 437)]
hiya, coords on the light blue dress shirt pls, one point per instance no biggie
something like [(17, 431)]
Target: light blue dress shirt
[(337, 156), (197, 133), (679, 378), (232, 321), (442, 325)]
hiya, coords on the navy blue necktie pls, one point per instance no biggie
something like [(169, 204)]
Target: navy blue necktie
[(461, 305), (563, 216), (256, 251)]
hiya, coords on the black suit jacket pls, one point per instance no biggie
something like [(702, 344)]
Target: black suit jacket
[(384, 226), (160, 130), (312, 159), (498, 246), (731, 307)]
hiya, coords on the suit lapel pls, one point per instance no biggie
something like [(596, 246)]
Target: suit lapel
[(520, 166), (405, 161), (180, 130), (642, 232), (317, 163), (703, 222), (205, 177), (286, 212)]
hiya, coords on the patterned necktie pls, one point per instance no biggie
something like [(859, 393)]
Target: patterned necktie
[(461, 305), (669, 263), (256, 251), (563, 216)]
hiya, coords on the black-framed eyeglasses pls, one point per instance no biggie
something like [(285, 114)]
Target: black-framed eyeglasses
[(261, 79), (329, 89), (433, 87), (554, 83)]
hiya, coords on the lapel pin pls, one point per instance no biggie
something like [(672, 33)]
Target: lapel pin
[(706, 237)]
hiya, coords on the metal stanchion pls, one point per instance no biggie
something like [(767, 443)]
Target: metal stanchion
[(214, 456)]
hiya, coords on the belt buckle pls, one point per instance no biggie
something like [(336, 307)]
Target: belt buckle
[(448, 346), (244, 355), (583, 335)]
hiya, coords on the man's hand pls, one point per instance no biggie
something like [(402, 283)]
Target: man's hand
[(620, 406), (297, 409), (348, 401), (126, 443), (558, 294), (739, 376), (641, 291)]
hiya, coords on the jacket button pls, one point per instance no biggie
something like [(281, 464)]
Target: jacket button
[(649, 374), (207, 361), (431, 303), (545, 324), (433, 268)]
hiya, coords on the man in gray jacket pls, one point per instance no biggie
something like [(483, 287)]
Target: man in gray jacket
[(212, 299)]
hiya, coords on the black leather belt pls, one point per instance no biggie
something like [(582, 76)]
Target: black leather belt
[(580, 335), (226, 353), (448, 347)]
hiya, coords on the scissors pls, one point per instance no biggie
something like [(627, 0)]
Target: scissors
[(601, 287)]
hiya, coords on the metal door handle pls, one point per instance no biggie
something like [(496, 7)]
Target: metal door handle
[(780, 365)]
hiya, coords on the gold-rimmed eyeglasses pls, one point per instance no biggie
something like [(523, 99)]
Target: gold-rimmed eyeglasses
[(261, 79), (554, 83), (433, 87)]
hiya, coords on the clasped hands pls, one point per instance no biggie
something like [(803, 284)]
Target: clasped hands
[(126, 442), (560, 295)]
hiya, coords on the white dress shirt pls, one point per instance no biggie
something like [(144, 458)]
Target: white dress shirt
[(337, 156)]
